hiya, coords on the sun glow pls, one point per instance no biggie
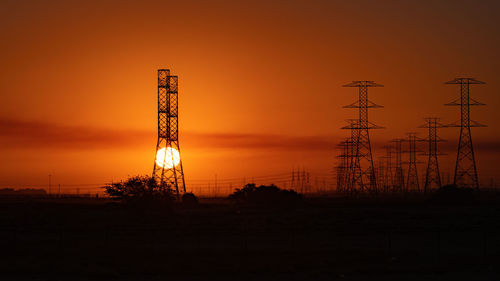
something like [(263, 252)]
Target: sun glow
[(168, 157)]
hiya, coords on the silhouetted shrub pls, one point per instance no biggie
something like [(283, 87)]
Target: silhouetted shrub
[(141, 190), (265, 195), (452, 194), (27, 192), (189, 200)]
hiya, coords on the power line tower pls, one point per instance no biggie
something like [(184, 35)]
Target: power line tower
[(432, 175), (353, 169), (412, 182), (399, 180), (465, 167), (167, 169), (388, 178), (343, 167), (381, 173), (365, 180)]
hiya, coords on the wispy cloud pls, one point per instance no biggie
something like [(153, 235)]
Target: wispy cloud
[(43, 135), (260, 141)]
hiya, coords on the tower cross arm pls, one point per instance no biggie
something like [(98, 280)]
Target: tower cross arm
[(363, 84), (465, 81)]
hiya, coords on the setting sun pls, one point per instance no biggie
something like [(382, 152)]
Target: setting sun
[(168, 158)]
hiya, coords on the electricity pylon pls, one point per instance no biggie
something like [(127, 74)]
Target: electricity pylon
[(412, 182), (399, 181), (388, 178), (364, 179), (432, 175), (167, 169), (343, 165), (465, 167)]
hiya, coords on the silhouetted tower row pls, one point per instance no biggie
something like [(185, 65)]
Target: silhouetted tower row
[(465, 168), (412, 183), (363, 173), (352, 169), (399, 182), (300, 180), (342, 168), (432, 175), (388, 178), (381, 173), (167, 169)]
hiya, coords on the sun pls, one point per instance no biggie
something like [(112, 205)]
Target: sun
[(165, 160)]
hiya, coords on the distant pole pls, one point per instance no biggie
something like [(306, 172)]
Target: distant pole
[(215, 186), (59, 191), (50, 182)]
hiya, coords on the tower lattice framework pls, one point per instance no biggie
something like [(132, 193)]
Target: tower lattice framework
[(465, 167), (363, 172), (432, 175), (168, 134), (352, 170), (399, 180), (412, 182), (388, 176)]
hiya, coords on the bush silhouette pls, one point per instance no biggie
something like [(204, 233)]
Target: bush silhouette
[(453, 194), (140, 189), (268, 195), (189, 200)]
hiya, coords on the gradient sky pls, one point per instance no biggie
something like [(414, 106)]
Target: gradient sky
[(260, 82)]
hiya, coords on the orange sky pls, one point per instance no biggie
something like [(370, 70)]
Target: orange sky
[(260, 82)]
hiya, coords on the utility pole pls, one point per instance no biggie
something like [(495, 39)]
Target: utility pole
[(50, 183)]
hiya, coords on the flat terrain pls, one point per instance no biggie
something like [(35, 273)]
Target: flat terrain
[(325, 239)]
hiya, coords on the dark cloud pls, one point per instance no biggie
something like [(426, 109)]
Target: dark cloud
[(260, 141), (41, 135)]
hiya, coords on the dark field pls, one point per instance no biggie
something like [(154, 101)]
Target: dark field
[(325, 239)]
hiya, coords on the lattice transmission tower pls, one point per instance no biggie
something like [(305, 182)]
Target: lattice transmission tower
[(399, 178), (381, 173), (432, 175), (363, 177), (412, 182), (352, 169), (167, 169), (343, 166), (465, 167), (388, 176)]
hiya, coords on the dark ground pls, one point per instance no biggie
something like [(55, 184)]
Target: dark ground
[(326, 239)]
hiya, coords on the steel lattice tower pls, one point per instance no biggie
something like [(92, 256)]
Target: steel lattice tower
[(343, 165), (389, 180), (412, 182), (168, 135), (399, 180), (364, 179), (381, 173), (465, 167), (353, 170), (432, 175)]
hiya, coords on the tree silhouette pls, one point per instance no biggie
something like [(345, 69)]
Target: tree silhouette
[(139, 188), (270, 195)]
